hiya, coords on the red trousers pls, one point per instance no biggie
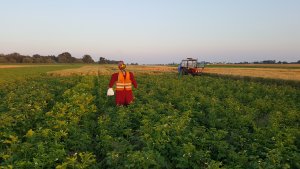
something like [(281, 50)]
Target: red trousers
[(124, 97)]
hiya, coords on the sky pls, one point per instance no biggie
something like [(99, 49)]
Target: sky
[(153, 31)]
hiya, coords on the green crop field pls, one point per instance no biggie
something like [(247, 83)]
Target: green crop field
[(192, 122), (12, 74)]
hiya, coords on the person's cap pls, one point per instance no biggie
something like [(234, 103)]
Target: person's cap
[(121, 65)]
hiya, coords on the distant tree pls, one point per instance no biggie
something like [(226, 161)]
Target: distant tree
[(11, 60), (102, 60), (298, 61), (48, 60), (3, 59), (63, 58), (87, 59), (112, 61), (78, 60), (269, 62), (54, 58), (15, 58), (38, 58), (66, 57), (27, 60)]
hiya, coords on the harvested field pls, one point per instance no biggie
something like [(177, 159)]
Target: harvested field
[(287, 74), (109, 69), (280, 66)]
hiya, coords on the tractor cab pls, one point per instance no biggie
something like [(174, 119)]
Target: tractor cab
[(189, 63), (190, 66)]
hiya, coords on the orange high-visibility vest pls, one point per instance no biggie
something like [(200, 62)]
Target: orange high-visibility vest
[(123, 83)]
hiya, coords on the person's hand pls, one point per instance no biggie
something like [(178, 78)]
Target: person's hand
[(110, 92)]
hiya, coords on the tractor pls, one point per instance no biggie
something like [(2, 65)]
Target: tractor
[(190, 66)]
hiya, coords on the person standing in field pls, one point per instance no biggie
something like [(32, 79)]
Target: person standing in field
[(124, 81)]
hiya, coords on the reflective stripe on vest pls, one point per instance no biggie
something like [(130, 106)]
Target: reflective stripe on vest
[(123, 83)]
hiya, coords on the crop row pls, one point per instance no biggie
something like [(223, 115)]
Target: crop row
[(43, 124), (203, 122)]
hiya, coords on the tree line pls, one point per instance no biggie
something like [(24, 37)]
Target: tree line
[(270, 62), (64, 57)]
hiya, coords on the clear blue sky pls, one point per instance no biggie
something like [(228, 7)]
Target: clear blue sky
[(153, 31)]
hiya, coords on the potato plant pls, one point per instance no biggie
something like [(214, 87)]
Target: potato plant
[(193, 122)]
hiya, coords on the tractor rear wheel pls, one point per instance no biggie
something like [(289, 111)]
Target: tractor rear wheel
[(185, 72)]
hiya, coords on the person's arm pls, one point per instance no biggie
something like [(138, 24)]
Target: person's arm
[(133, 80), (113, 79)]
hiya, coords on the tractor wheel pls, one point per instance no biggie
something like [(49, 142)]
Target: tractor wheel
[(185, 72)]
